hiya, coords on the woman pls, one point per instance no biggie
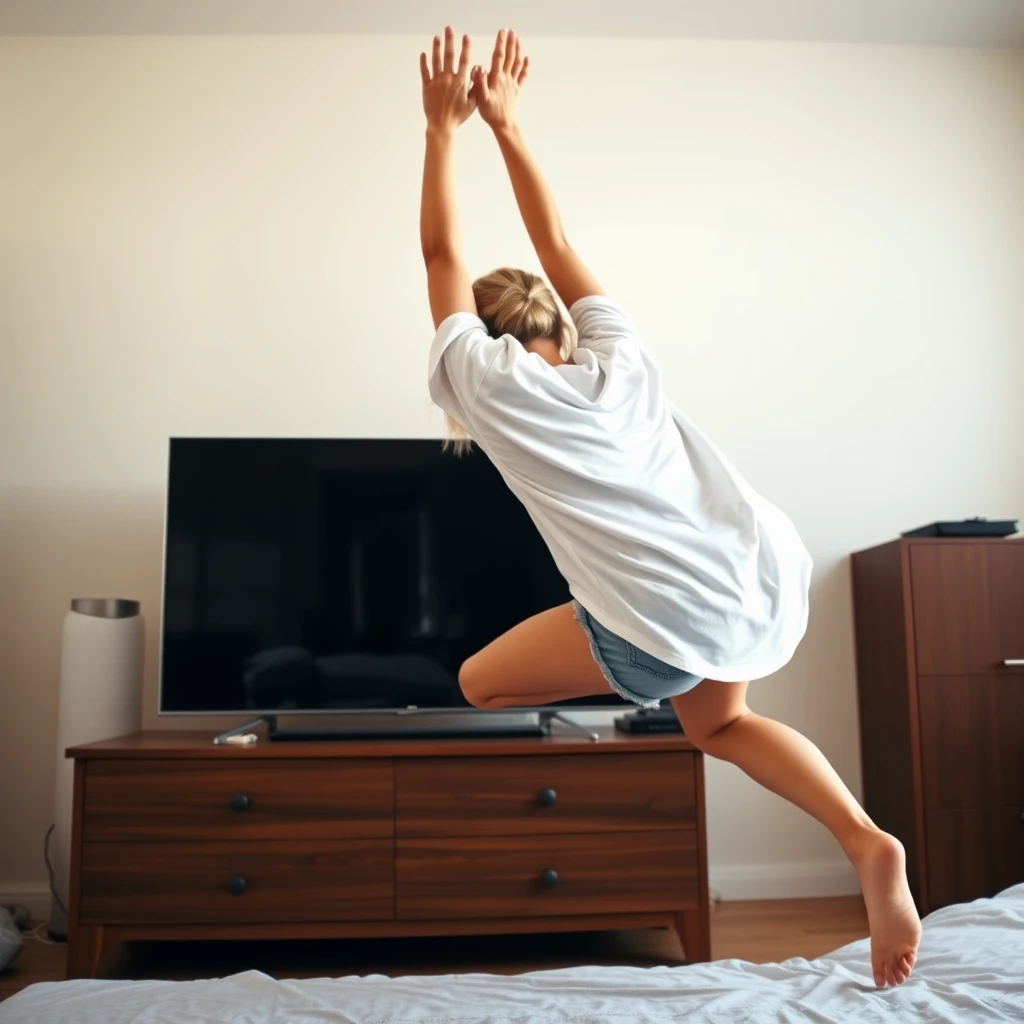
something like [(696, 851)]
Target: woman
[(686, 583)]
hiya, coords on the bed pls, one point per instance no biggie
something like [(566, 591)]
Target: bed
[(970, 969)]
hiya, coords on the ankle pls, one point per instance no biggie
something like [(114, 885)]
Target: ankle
[(861, 838)]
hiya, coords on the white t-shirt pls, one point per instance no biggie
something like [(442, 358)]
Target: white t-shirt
[(656, 533)]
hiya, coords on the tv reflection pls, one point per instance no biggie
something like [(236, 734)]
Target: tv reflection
[(373, 600), (292, 678)]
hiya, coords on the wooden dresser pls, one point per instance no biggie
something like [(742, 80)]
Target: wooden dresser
[(175, 838), (940, 671)]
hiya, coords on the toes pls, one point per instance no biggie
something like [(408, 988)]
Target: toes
[(878, 972), (900, 968), (894, 970)]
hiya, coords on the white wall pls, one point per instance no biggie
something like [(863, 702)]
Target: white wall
[(218, 236)]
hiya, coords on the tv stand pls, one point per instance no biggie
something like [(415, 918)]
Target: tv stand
[(176, 837), (408, 723)]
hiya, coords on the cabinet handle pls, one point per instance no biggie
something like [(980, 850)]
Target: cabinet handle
[(237, 885), (549, 879), (1013, 662), (547, 797), (239, 802)]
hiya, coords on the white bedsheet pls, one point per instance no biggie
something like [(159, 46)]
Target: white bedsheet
[(970, 969)]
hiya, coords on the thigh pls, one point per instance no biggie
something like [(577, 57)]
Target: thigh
[(709, 706), (546, 653)]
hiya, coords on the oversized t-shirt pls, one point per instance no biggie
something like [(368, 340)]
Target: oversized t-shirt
[(657, 534)]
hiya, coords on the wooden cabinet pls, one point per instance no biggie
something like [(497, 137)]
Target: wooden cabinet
[(502, 797), (968, 606), (200, 799), (255, 881), (940, 673), (538, 875), (174, 837), (972, 740)]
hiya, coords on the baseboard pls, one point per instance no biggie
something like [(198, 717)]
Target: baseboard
[(35, 897), (791, 880)]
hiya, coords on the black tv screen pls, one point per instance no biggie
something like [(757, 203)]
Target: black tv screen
[(339, 575)]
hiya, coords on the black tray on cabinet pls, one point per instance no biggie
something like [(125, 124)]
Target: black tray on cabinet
[(966, 528)]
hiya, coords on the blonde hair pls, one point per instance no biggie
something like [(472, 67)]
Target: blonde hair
[(518, 303)]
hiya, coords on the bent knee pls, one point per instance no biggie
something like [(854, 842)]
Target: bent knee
[(713, 736), (473, 683)]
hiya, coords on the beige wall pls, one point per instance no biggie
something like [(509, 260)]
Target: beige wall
[(218, 236)]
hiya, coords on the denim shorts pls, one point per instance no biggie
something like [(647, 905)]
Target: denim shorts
[(630, 672)]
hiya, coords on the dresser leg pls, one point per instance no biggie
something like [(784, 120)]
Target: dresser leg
[(85, 947), (694, 931)]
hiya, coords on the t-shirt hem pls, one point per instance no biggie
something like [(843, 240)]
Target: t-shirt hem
[(687, 662)]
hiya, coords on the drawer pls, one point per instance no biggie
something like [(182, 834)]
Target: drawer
[(972, 740), (968, 607), (232, 882), (545, 795), (510, 876), (183, 800), (973, 853)]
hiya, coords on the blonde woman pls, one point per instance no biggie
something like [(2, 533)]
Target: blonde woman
[(686, 583)]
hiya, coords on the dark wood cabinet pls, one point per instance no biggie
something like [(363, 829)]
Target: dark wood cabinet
[(176, 838), (940, 676), (968, 606), (486, 876), (257, 882), (972, 852)]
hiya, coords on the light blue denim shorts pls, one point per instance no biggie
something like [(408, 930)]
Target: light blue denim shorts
[(631, 673)]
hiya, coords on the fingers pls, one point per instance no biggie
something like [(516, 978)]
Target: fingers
[(498, 57), (517, 59), (479, 78), (449, 49), (510, 50), (464, 56), (424, 69), (524, 71), (436, 56)]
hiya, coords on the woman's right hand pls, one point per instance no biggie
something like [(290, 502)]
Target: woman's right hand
[(497, 91)]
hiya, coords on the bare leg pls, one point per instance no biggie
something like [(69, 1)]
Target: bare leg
[(717, 720), (544, 659)]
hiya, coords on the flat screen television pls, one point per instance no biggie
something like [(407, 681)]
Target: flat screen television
[(341, 576)]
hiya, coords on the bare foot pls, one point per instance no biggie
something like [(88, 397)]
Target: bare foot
[(881, 864)]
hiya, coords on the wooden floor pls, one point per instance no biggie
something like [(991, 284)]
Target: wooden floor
[(760, 932)]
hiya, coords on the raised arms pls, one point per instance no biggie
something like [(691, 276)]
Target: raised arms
[(496, 94), (447, 103)]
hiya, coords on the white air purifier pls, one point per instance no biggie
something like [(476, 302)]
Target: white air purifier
[(100, 698)]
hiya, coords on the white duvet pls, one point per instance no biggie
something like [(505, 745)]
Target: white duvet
[(970, 969)]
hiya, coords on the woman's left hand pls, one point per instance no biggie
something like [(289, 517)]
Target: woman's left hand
[(446, 87)]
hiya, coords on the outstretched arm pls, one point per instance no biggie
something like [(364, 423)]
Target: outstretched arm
[(496, 93), (446, 103)]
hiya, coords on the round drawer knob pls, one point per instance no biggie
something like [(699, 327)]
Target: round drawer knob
[(239, 802), (549, 879), (547, 797), (237, 885)]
